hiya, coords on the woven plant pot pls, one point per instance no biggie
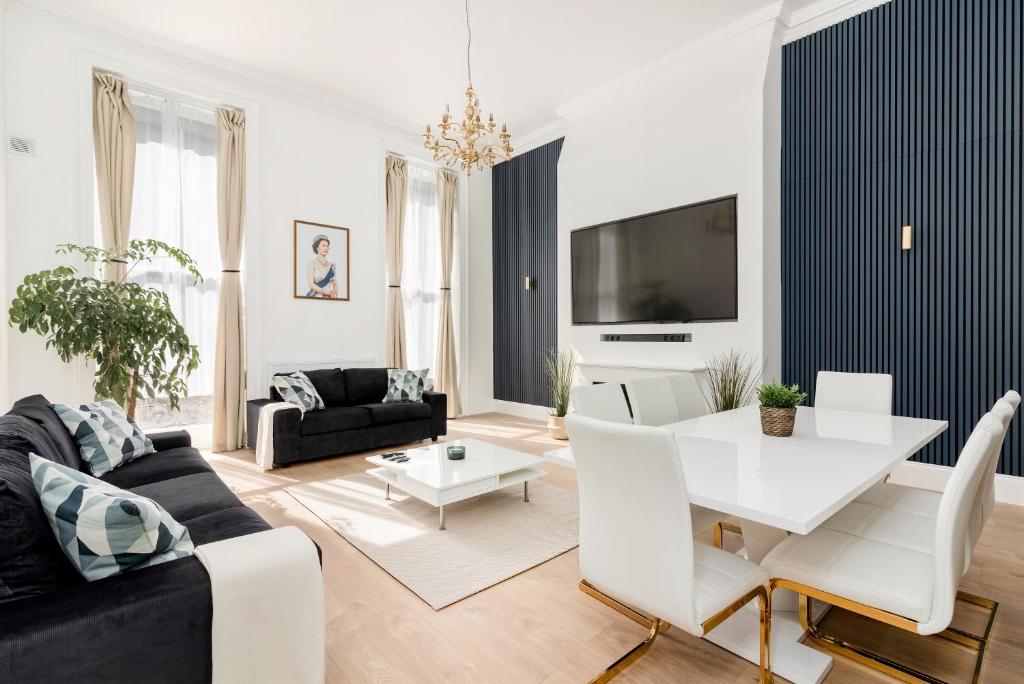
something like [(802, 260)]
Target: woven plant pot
[(777, 422)]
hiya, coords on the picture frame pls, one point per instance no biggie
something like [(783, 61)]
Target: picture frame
[(320, 261)]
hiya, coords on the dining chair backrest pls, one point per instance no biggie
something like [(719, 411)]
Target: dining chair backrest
[(986, 499), (689, 399), (953, 520), (864, 392), (604, 401), (652, 400), (636, 543)]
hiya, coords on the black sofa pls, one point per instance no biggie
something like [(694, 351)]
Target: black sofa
[(146, 625), (355, 418)]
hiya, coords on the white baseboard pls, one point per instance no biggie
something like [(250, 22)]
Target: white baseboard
[(522, 410), (1009, 489)]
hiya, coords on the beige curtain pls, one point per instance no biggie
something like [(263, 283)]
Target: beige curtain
[(229, 365), (113, 134), (394, 328), (446, 374)]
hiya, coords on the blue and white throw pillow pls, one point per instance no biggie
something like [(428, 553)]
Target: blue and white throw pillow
[(297, 389), (106, 436), (406, 385), (104, 530)]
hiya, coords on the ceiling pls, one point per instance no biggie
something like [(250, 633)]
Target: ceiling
[(401, 60)]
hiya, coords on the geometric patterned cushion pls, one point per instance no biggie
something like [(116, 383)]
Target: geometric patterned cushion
[(406, 385), (104, 530), (106, 436), (297, 389)]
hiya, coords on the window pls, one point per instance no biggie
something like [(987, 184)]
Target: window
[(421, 268), (175, 201)]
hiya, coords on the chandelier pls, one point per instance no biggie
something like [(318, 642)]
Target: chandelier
[(469, 143)]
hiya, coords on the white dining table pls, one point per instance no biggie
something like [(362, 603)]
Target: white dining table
[(783, 485)]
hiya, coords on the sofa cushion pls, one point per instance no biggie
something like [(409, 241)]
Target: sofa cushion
[(40, 411), (366, 385), (296, 388), (163, 465), (102, 529), (225, 524), (106, 437), (330, 385), (190, 496), (31, 562), (406, 385), (334, 420), (397, 412)]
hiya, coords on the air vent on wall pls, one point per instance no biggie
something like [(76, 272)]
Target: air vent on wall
[(21, 145)]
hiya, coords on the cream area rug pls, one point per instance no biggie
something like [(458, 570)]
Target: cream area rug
[(488, 538)]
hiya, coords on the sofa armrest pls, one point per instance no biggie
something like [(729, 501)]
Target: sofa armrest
[(171, 439), (438, 412), (287, 430), (147, 618)]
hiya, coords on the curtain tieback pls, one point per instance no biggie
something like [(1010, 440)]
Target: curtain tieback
[(230, 270), (118, 261), (398, 286), (446, 288)]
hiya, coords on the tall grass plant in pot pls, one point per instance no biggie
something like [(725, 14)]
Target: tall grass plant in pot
[(729, 381), (560, 369)]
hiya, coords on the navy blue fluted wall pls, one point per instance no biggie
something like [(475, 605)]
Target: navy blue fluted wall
[(908, 114), (525, 222)]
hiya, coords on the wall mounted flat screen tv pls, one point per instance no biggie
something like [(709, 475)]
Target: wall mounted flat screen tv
[(672, 266)]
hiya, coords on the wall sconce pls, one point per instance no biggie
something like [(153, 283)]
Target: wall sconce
[(529, 283), (907, 240)]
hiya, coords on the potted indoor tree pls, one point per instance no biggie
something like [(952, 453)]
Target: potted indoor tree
[(560, 368), (778, 407), (129, 331)]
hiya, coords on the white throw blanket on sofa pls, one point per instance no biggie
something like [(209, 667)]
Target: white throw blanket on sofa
[(265, 433), (268, 608)]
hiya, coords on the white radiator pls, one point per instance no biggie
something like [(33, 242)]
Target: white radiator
[(292, 366)]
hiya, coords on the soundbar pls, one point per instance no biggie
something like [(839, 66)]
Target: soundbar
[(651, 337)]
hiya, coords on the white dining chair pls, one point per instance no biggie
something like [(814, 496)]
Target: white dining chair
[(607, 402), (891, 566), (689, 399), (637, 553), (925, 503), (603, 401), (652, 400), (864, 392)]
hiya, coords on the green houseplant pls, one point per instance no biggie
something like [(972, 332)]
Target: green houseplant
[(778, 407), (139, 346), (729, 381), (559, 368)]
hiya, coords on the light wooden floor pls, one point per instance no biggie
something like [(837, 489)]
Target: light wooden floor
[(538, 627)]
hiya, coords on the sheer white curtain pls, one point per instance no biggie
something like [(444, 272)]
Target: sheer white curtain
[(176, 202), (421, 269)]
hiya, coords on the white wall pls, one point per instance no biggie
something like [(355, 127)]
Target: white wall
[(4, 399), (478, 391), (307, 160), (694, 132)]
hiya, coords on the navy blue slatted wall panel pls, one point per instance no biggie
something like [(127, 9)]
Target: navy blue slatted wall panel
[(910, 113), (525, 220)]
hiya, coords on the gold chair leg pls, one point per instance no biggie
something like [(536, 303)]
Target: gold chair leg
[(655, 625), (894, 668), (719, 530), (764, 601)]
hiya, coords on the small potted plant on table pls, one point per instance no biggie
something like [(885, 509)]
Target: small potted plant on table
[(778, 407)]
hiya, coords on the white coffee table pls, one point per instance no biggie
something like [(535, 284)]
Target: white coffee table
[(432, 478)]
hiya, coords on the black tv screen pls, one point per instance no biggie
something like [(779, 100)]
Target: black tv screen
[(672, 266)]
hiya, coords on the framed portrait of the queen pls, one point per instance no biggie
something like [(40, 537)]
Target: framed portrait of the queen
[(321, 261)]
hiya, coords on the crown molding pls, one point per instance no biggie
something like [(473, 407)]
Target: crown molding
[(597, 98), (172, 52), (824, 13)]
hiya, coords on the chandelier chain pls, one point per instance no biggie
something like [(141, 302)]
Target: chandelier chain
[(469, 42)]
